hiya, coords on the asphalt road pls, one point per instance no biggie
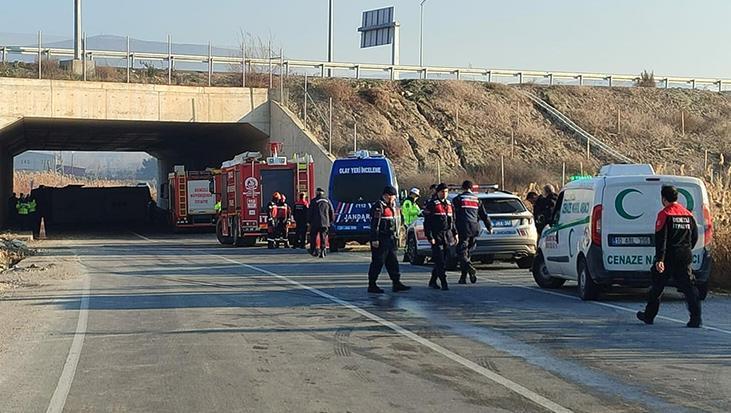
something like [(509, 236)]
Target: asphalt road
[(181, 324)]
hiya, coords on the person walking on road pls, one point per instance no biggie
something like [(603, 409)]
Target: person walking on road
[(384, 231), (676, 232), (409, 208), (441, 232), (321, 216), (468, 211), (300, 220)]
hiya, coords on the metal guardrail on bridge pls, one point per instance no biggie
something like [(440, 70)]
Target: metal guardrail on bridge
[(285, 65)]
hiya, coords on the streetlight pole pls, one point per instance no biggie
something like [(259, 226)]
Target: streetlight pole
[(421, 34), (330, 36), (77, 30)]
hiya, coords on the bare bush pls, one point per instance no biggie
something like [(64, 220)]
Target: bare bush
[(646, 79)]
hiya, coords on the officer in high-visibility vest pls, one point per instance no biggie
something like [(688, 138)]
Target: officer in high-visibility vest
[(22, 208), (217, 207), (33, 221), (409, 208)]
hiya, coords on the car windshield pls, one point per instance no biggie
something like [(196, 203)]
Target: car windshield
[(503, 205), (353, 188)]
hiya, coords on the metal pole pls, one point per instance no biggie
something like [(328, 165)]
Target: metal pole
[(270, 65), (210, 63), (243, 64), (77, 31), (330, 36), (330, 129), (304, 108), (581, 168), (502, 172), (395, 50), (355, 137), (421, 34), (40, 63), (563, 174), (619, 121), (128, 59), (439, 170), (83, 60), (682, 123), (705, 161), (281, 76), (512, 142), (170, 60), (588, 150)]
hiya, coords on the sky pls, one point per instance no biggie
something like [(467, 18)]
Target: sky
[(671, 37)]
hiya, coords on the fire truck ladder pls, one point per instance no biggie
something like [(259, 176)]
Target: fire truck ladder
[(303, 174), (182, 195)]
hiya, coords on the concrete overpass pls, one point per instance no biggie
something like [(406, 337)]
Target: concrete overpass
[(179, 125)]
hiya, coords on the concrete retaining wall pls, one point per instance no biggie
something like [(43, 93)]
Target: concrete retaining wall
[(286, 128)]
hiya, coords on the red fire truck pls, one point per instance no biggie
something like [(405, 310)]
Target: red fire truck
[(191, 204), (247, 184)]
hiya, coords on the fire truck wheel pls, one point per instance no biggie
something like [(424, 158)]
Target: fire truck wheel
[(219, 234)]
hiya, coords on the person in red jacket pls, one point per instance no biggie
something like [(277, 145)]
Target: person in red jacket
[(676, 233)]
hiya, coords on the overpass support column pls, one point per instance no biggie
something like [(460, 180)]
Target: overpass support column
[(164, 167), (6, 185)]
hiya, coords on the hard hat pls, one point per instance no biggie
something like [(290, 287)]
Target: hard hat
[(415, 191)]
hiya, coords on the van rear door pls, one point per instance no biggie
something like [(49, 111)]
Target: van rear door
[(630, 208)]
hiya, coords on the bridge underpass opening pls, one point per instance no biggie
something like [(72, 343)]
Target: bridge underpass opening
[(194, 145)]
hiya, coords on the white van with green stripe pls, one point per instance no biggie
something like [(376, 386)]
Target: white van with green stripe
[(603, 230)]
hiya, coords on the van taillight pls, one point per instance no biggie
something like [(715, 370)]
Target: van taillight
[(708, 230), (596, 226)]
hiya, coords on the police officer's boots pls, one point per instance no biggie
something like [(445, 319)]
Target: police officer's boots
[(443, 280), (463, 278), (433, 281)]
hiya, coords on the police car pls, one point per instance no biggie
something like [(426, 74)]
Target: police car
[(513, 238), (603, 230)]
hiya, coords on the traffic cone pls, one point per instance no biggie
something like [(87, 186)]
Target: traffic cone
[(42, 230)]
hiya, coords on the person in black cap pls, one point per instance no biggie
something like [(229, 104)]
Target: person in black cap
[(321, 216), (441, 232), (468, 212), (384, 230)]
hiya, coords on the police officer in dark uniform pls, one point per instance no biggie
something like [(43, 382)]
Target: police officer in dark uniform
[(384, 230), (676, 232), (442, 234), (468, 211), (300, 219)]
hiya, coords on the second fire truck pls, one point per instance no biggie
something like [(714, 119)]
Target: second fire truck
[(247, 184)]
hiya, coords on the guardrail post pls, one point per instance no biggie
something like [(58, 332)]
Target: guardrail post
[(609, 80), (720, 86), (550, 79), (425, 73), (393, 73), (210, 63), (40, 63), (458, 73), (489, 76), (667, 83), (357, 71), (128, 59), (520, 78), (4, 54), (322, 70), (581, 80), (692, 83), (170, 60)]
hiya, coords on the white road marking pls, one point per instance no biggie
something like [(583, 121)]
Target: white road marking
[(503, 381), (599, 303), (58, 400)]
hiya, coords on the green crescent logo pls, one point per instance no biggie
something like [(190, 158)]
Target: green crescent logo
[(619, 204), (688, 199)]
